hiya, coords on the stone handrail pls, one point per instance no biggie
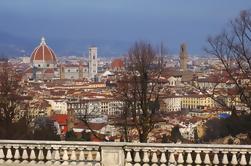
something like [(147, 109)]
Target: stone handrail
[(20, 152), (187, 154)]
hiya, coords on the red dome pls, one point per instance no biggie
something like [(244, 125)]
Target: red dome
[(117, 63), (43, 53)]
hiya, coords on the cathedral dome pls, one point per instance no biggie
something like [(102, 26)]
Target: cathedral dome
[(117, 63), (43, 54)]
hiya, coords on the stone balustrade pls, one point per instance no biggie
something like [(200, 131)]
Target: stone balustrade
[(186, 154), (16, 152)]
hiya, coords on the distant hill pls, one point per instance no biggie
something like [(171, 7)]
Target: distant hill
[(14, 46), (11, 46)]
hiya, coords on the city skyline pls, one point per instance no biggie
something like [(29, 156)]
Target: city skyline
[(113, 25), (121, 83)]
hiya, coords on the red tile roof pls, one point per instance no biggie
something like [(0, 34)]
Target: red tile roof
[(117, 63), (43, 53), (60, 118)]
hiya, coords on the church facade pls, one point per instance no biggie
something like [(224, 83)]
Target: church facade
[(45, 65)]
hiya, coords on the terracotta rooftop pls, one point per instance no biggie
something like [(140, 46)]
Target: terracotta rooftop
[(43, 53)]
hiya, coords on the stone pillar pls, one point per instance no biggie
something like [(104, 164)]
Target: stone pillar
[(112, 156)]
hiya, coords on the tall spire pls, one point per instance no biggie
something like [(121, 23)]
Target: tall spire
[(43, 41)]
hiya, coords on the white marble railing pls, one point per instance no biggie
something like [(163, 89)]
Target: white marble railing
[(49, 153), (187, 154), (17, 153)]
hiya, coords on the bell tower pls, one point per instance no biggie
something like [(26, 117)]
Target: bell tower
[(183, 57), (93, 62)]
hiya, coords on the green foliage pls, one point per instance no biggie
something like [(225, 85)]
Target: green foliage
[(70, 136), (196, 138), (15, 130), (176, 135), (164, 139), (234, 125), (85, 136), (45, 130)]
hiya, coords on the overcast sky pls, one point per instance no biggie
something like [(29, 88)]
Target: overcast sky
[(170, 21)]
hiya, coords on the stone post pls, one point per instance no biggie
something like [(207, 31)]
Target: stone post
[(112, 156)]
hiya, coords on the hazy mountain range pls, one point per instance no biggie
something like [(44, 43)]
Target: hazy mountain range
[(13, 46)]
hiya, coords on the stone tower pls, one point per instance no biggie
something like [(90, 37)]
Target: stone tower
[(183, 57), (81, 70), (93, 62), (62, 72)]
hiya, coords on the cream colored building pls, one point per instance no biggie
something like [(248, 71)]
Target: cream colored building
[(172, 103), (58, 106), (196, 101)]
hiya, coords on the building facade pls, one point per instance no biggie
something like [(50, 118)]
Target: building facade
[(194, 101), (73, 71)]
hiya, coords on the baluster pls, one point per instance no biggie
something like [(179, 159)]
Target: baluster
[(48, 156), (97, 158), (154, 158), (189, 159), (128, 157), (56, 155), (216, 158), (81, 157), (73, 157), (1, 155), (65, 156), (89, 156), (180, 158), (249, 158), (243, 158), (207, 161), (32, 155), (137, 159), (172, 160), (198, 160), (24, 155), (163, 159), (40, 156), (9, 155), (234, 158), (17, 154), (225, 159), (145, 157)]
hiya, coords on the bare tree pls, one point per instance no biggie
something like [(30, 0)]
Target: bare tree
[(139, 89), (233, 49), (13, 123)]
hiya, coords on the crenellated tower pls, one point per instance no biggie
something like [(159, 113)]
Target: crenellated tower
[(183, 57)]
